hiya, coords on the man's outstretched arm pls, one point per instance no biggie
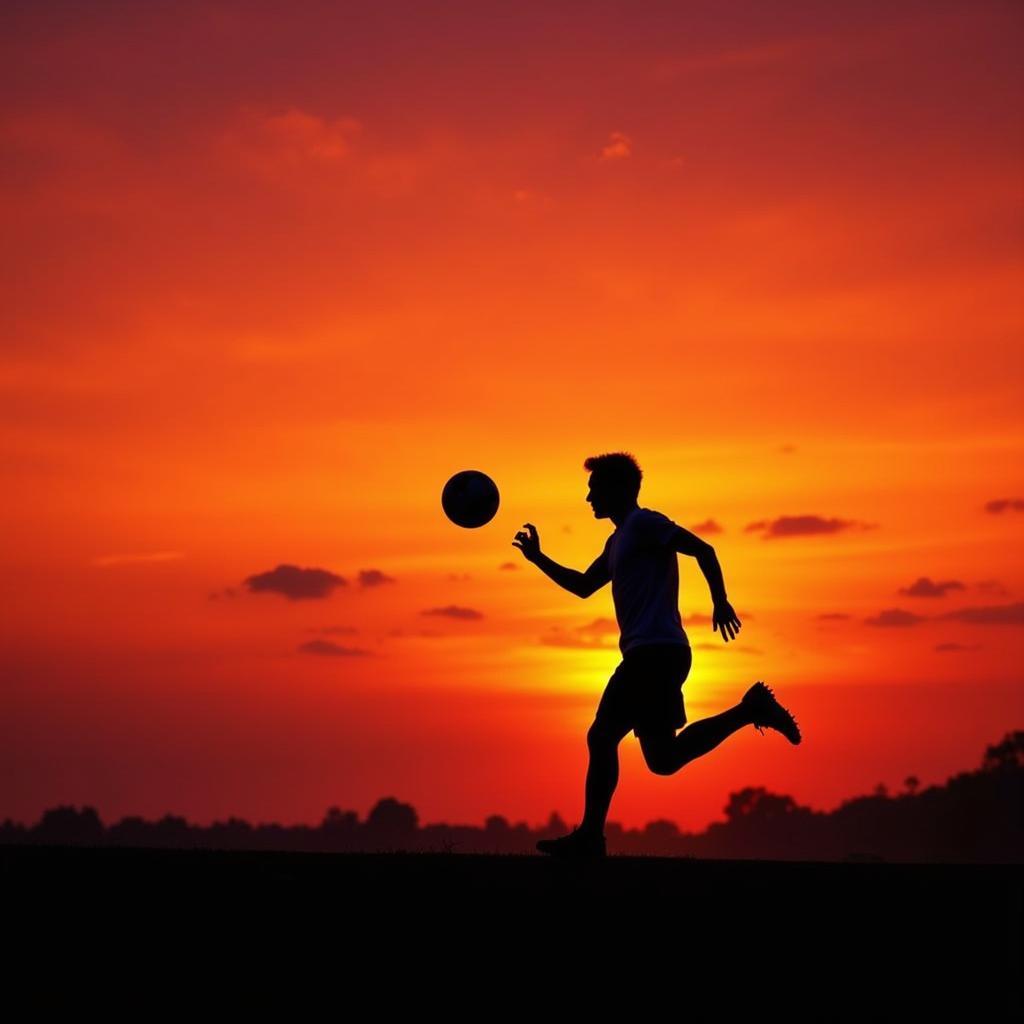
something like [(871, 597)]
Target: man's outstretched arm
[(570, 579), (578, 583), (723, 618)]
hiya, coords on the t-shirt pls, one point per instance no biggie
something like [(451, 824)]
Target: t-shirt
[(644, 570)]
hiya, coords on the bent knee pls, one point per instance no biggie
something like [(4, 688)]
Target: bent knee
[(661, 767), (660, 757)]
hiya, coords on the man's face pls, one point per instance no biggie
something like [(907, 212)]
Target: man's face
[(598, 495)]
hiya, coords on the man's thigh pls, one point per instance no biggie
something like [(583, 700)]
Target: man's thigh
[(644, 694), (616, 711), (658, 707)]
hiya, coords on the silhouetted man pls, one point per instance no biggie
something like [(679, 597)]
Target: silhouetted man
[(644, 694)]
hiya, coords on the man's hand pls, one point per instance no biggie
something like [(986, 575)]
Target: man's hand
[(529, 542), (725, 621)]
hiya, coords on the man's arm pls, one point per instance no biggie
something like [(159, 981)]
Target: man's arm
[(597, 575), (687, 543), (578, 583), (724, 618), (571, 579), (708, 562)]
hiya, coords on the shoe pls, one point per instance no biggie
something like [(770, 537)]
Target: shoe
[(767, 711), (576, 845)]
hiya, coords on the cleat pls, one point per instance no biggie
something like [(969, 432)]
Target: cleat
[(576, 845), (765, 710)]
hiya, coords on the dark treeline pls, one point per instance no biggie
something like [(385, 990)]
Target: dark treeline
[(975, 817)]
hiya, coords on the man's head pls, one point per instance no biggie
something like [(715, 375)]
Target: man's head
[(614, 482)]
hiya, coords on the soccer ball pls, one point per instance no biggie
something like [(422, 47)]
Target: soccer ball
[(470, 498)]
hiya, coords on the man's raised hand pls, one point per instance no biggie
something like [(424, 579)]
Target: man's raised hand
[(725, 621), (529, 542)]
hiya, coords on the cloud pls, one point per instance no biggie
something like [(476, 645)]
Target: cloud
[(834, 616), (1001, 505), (104, 561), (618, 147), (276, 141), (589, 636), (508, 565), (957, 647), (990, 615), (452, 611), (398, 631), (459, 576), (803, 526), (373, 578), (294, 583), (598, 627), (787, 449), (332, 630), (331, 649), (558, 637), (924, 587), (216, 595), (708, 526), (737, 58), (894, 617)]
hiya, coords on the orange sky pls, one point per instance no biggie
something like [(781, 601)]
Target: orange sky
[(272, 275)]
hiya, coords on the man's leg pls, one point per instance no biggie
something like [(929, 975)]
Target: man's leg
[(602, 774), (666, 752)]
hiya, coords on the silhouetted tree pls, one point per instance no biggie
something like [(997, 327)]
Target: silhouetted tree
[(12, 832), (661, 837), (131, 831), (661, 829), (174, 831), (755, 802), (68, 827), (556, 826), (337, 821), (392, 824), (1009, 753)]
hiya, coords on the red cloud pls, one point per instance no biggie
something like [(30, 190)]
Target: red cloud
[(454, 612), (990, 615), (708, 526), (895, 617), (373, 578), (802, 526), (295, 583), (1005, 504), (924, 587), (333, 650)]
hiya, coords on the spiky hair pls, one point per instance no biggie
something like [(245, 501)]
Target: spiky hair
[(618, 467)]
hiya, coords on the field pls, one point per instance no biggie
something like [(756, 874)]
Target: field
[(436, 930)]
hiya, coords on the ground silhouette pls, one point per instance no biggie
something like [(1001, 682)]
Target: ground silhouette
[(974, 817)]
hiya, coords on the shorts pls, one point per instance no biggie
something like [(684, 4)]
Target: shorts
[(645, 693)]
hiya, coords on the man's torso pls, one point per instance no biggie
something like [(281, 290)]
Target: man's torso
[(644, 570)]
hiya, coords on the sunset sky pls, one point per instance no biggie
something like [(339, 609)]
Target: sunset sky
[(274, 272)]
